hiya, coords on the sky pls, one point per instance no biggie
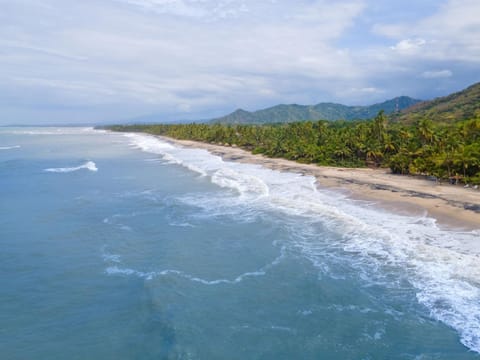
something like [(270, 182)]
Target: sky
[(93, 61)]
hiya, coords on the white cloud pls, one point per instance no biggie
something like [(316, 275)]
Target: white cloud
[(191, 8), (370, 90), (359, 92), (451, 33), (184, 107), (437, 74), (40, 50), (409, 45), (326, 13), (196, 56), (143, 58)]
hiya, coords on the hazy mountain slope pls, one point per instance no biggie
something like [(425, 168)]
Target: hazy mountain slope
[(324, 111), (461, 105)]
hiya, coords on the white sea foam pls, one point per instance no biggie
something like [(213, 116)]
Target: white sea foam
[(245, 184), (115, 270), (111, 258), (443, 265), (114, 220), (305, 312), (89, 165), (54, 131), (10, 147)]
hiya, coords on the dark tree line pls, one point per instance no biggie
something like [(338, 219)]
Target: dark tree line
[(446, 151)]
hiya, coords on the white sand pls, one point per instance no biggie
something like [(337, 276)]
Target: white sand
[(449, 204)]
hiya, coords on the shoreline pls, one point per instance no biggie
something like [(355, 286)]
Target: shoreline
[(452, 206)]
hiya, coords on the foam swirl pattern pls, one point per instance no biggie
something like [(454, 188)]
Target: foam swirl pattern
[(442, 264)]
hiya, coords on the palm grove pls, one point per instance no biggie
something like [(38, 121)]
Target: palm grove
[(445, 151)]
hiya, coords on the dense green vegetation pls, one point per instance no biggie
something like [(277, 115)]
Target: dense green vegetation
[(460, 105), (445, 151), (327, 111)]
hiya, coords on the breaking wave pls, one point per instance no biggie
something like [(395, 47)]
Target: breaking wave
[(443, 265), (89, 165), (149, 275)]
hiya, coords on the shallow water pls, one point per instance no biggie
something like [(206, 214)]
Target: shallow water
[(121, 246)]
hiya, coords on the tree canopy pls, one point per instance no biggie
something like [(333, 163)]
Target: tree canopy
[(445, 151)]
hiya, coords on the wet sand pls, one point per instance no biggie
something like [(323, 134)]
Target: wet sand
[(451, 205)]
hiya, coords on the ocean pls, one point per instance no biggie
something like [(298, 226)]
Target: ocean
[(124, 246)]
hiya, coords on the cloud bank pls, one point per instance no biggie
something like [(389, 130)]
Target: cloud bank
[(106, 60)]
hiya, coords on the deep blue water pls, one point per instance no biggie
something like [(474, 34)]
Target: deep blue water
[(119, 246)]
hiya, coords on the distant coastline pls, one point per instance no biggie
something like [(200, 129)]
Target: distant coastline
[(451, 205)]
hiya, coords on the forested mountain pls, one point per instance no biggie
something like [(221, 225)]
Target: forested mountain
[(458, 106), (324, 111), (439, 138)]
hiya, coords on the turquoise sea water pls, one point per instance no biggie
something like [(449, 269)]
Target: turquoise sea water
[(119, 246)]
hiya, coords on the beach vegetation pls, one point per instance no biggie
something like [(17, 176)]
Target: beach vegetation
[(444, 151)]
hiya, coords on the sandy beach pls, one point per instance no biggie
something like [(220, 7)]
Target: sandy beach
[(451, 205)]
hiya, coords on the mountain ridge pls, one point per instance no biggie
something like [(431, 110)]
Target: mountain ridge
[(283, 113), (460, 105)]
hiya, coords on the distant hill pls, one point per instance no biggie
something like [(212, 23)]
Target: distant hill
[(458, 106), (323, 111)]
